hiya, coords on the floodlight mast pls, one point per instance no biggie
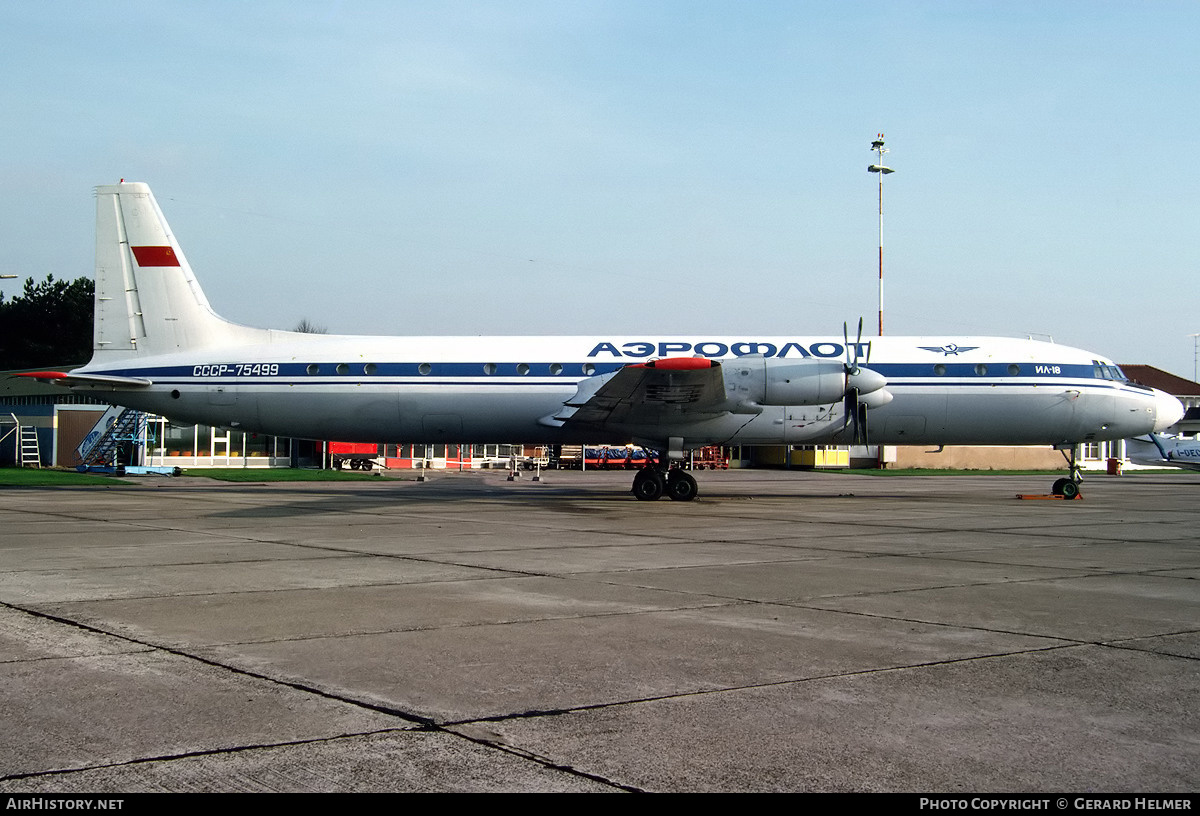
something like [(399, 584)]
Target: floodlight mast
[(882, 170)]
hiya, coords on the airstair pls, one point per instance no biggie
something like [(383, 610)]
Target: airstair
[(118, 425), (100, 449)]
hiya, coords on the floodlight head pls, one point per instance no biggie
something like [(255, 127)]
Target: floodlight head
[(879, 168)]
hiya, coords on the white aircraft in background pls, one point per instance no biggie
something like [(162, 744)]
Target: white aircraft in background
[(1164, 451), (159, 347)]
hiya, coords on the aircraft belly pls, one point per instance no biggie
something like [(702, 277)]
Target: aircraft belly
[(398, 414), (913, 417), (975, 416)]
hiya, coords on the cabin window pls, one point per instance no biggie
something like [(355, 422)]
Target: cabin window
[(589, 369), (369, 368), (489, 368), (1013, 369), (424, 368), (343, 368), (981, 369), (555, 368), (522, 369), (940, 370), (313, 368)]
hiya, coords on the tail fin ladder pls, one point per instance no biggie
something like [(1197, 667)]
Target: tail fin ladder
[(147, 299)]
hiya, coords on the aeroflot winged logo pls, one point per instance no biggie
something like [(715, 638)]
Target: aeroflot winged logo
[(949, 348)]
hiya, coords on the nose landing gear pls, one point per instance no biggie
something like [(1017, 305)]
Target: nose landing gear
[(1068, 488)]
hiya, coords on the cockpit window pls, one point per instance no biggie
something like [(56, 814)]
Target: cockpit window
[(1107, 371)]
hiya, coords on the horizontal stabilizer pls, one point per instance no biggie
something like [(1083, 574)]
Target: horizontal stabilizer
[(67, 379)]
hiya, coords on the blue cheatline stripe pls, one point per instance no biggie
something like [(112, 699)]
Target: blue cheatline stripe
[(569, 371), (979, 384), (378, 371)]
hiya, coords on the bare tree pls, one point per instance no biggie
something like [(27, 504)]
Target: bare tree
[(308, 327)]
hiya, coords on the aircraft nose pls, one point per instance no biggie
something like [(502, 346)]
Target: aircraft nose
[(1167, 410)]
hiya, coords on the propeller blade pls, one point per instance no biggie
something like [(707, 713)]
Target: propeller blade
[(850, 413), (851, 366)]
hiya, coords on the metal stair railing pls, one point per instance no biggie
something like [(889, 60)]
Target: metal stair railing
[(31, 454), (25, 443), (124, 428)]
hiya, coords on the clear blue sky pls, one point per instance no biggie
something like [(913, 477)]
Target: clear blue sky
[(634, 167)]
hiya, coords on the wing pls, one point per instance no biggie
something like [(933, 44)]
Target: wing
[(661, 392)]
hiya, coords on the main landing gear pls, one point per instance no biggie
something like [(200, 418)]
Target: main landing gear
[(651, 483)]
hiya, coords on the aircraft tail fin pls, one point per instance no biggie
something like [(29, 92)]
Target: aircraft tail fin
[(147, 298)]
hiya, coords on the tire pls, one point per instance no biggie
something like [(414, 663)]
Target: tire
[(1070, 490), (1057, 489), (648, 486), (681, 486)]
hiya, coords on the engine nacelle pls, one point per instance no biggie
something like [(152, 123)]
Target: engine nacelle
[(755, 380)]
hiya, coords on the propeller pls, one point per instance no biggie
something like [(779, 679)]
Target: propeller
[(860, 382)]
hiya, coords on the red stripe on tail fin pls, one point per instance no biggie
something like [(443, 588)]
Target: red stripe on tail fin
[(155, 256)]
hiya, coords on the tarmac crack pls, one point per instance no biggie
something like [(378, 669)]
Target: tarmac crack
[(559, 712), (427, 724)]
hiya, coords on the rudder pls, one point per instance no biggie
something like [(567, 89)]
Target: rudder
[(147, 298)]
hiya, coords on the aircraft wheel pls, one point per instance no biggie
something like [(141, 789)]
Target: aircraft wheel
[(1070, 490), (648, 486), (1057, 489), (681, 486), (367, 464)]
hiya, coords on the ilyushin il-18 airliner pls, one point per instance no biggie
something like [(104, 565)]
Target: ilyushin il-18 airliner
[(159, 347)]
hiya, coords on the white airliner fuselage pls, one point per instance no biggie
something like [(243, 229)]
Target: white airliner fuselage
[(159, 347), (1005, 391)]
